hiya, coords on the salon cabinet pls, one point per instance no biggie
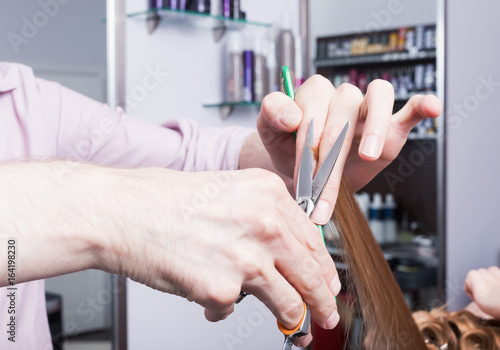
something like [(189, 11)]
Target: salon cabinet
[(406, 57)]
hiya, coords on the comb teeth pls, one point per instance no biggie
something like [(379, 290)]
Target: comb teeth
[(287, 82), (285, 87)]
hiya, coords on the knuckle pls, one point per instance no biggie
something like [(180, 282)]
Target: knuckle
[(331, 136), (254, 271), (381, 84), (314, 244), (269, 227), (314, 275), (273, 184), (216, 295), (327, 309), (349, 91), (319, 82), (294, 310)]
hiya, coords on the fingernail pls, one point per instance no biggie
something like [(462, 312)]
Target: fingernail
[(335, 285), (333, 320), (288, 116), (371, 146), (321, 214)]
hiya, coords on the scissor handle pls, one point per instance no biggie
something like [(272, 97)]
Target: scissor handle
[(287, 331)]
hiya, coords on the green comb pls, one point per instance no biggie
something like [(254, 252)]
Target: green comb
[(287, 82)]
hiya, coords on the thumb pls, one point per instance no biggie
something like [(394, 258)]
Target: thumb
[(279, 113)]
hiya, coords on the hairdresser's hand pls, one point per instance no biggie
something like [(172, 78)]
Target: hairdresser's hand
[(213, 234), (376, 134), (483, 287)]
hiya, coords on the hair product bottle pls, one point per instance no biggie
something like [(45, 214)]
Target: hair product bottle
[(202, 6), (391, 225), (215, 8), (299, 62), (259, 68), (177, 4), (230, 8), (248, 76), (155, 4), (376, 218), (364, 203), (235, 68), (272, 69), (286, 45)]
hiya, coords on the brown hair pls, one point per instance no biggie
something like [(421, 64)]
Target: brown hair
[(387, 320)]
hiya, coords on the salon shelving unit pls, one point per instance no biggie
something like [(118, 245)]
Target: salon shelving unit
[(204, 21), (390, 57), (416, 187), (381, 51)]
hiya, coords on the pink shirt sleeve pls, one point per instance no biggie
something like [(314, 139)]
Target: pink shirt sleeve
[(43, 120)]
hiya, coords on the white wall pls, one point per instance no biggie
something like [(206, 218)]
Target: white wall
[(67, 33), (472, 165)]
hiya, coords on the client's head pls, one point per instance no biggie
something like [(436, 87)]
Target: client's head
[(459, 330)]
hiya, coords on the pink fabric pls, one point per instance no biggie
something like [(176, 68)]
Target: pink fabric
[(43, 120)]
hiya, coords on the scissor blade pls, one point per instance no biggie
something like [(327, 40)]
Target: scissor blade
[(304, 179), (324, 172)]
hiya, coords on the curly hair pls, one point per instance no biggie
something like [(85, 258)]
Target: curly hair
[(460, 330)]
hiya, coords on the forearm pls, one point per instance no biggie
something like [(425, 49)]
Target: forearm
[(66, 224)]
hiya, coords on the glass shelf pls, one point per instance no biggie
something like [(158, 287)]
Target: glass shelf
[(226, 108), (196, 19), (232, 104)]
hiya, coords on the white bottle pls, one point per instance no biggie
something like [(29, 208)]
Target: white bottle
[(234, 83), (364, 203), (391, 225), (299, 67), (376, 218), (272, 68), (259, 69), (286, 45)]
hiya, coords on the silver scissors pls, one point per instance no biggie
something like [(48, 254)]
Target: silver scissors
[(307, 195)]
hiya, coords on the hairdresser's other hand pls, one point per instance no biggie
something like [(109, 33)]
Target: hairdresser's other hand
[(378, 135), (207, 236), (483, 287)]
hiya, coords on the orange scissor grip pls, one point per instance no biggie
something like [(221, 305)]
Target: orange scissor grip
[(287, 331)]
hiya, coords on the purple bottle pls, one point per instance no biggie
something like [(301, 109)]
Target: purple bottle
[(155, 4), (231, 8), (248, 76), (177, 4)]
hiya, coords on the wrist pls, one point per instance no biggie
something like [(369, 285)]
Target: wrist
[(135, 209)]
